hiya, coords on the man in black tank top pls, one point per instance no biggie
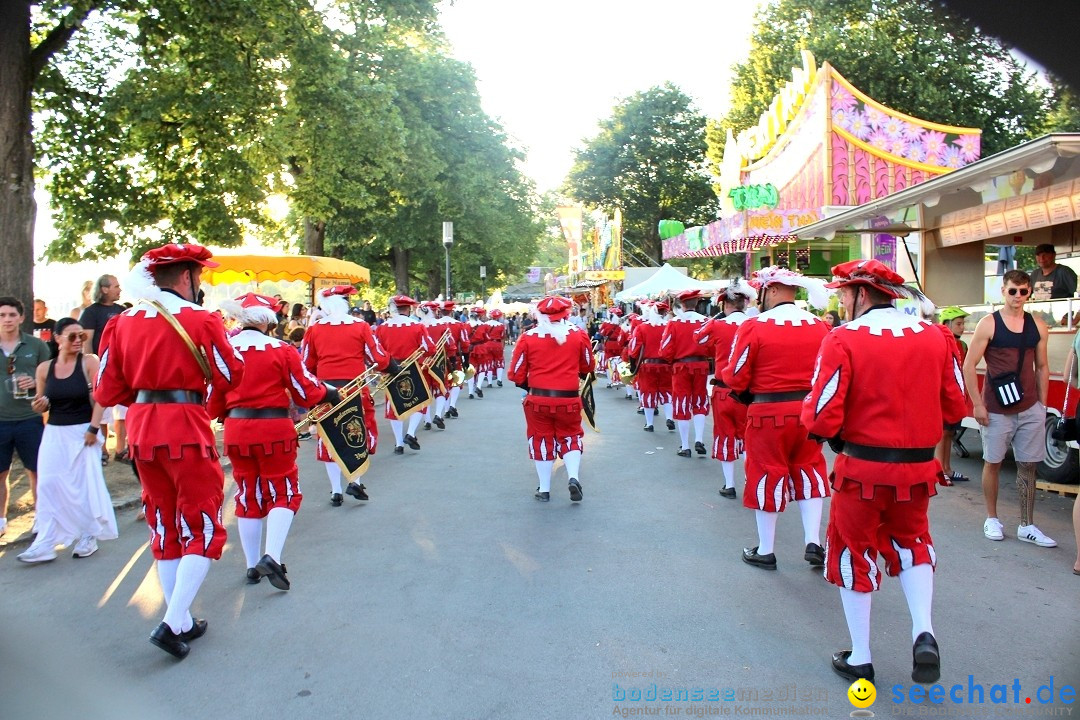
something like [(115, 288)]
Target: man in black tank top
[(1011, 410)]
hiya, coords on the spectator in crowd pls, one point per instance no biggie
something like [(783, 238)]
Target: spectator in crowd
[(1011, 406), (368, 314), (297, 319), (87, 300), (20, 426), (73, 503), (952, 319), (1050, 281), (579, 320), (832, 319), (282, 318), (44, 325), (93, 319), (1075, 360)]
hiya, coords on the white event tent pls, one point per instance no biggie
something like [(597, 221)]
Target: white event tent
[(667, 281)]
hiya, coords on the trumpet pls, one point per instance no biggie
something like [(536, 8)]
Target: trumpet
[(349, 388)]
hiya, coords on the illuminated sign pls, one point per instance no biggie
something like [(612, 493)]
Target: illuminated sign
[(751, 197), (604, 274)]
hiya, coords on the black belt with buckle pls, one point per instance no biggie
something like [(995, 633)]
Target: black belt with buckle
[(185, 397), (888, 454), (249, 413), (553, 393), (780, 396), (693, 358), (655, 361)]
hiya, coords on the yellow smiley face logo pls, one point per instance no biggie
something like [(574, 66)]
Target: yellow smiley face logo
[(862, 693)]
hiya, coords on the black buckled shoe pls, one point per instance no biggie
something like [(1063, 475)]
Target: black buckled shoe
[(851, 672), (197, 630), (684, 453), (479, 393), (648, 428), (170, 642), (439, 423), (670, 425), (452, 412), (542, 496), (253, 576), (472, 396), (699, 448), (575, 490), (641, 411), (427, 426), (500, 382), (336, 499), (357, 491), (412, 442), (274, 572), (815, 555), (399, 450), (926, 659), (765, 562), (729, 493)]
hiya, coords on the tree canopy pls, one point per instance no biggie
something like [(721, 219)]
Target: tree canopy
[(910, 55), (648, 159)]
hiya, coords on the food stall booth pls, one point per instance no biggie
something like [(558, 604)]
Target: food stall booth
[(956, 227), (263, 273)]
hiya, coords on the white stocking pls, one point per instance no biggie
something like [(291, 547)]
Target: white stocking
[(454, 393), (572, 460), (414, 422), (334, 473), (250, 531), (857, 614), (649, 413), (699, 428), (278, 523), (667, 410), (918, 584), (684, 433), (399, 438), (543, 472), (190, 574), (810, 510), (728, 468), (440, 406), (766, 530), (166, 572)]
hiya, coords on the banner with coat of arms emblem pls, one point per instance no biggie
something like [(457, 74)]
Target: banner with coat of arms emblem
[(408, 391), (345, 436)]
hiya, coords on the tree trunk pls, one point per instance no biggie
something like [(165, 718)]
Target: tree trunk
[(400, 262), (434, 283), (17, 206), (314, 236)]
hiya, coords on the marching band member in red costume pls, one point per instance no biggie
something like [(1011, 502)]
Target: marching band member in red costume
[(401, 336), (729, 415), (496, 346), (653, 371), (884, 384), (460, 331), (548, 360), (437, 328), (148, 364), (478, 335), (612, 347), (772, 358), (689, 371), (260, 440), (337, 348)]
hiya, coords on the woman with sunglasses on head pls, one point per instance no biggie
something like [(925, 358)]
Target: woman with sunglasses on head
[(73, 503)]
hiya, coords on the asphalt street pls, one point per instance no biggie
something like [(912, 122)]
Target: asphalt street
[(453, 594)]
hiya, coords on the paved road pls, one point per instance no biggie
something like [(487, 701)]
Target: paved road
[(453, 594)]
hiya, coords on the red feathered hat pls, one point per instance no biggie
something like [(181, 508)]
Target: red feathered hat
[(401, 300), (430, 305), (481, 311), (173, 253), (690, 296), (252, 308), (661, 307), (555, 307), (344, 290), (448, 304), (616, 311), (868, 272), (496, 314)]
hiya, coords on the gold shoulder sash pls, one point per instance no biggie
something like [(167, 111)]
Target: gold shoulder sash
[(200, 358)]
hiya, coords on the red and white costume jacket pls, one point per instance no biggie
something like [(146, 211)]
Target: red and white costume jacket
[(689, 365), (436, 331), (401, 336), (612, 334), (774, 353), (496, 333), (729, 415), (479, 354), (653, 371), (263, 450), (540, 362), (337, 350), (171, 442), (885, 380)]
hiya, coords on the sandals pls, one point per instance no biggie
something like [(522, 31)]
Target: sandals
[(104, 457), (123, 457)]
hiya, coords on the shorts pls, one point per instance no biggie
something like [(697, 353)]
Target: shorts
[(1025, 431), (113, 414), (24, 437)]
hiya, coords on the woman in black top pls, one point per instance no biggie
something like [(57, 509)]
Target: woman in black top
[(73, 503)]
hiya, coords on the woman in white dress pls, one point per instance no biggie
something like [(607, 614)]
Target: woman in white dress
[(73, 504)]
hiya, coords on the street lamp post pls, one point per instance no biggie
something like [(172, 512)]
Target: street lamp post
[(447, 241), (483, 283)]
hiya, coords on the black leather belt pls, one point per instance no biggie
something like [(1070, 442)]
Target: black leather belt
[(780, 396), (717, 382), (888, 454), (247, 413), (553, 393), (187, 397), (693, 358), (654, 361)]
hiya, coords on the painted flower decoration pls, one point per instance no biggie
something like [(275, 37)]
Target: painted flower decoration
[(879, 139), (893, 127), (951, 157), (970, 146), (842, 98), (898, 146), (913, 133), (859, 126), (841, 117), (916, 151), (875, 117), (934, 142)]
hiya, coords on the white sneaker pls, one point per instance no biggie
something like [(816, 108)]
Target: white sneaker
[(86, 547), (992, 529), (3, 526), (1032, 534), (37, 554)]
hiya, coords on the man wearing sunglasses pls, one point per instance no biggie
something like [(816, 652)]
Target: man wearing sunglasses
[(20, 427), (1011, 406)]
